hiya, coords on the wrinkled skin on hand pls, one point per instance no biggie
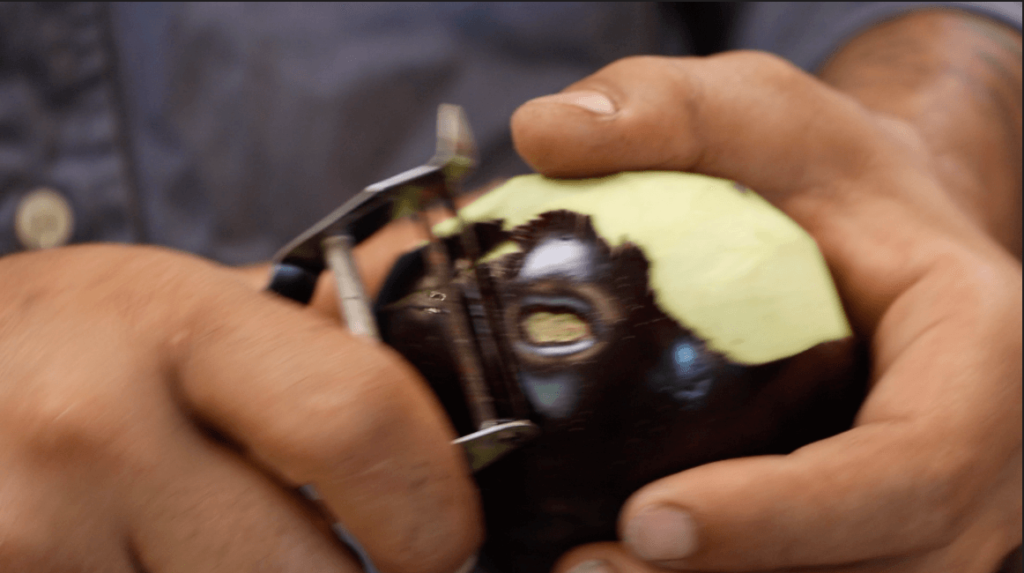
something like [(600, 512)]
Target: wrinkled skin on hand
[(929, 479), (157, 412)]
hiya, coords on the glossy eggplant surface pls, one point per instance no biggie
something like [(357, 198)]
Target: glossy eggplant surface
[(623, 393)]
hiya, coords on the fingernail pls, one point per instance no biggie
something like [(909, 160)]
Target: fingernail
[(468, 566), (592, 566), (662, 532), (589, 100)]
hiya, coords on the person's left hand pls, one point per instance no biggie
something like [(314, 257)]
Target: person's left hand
[(929, 479)]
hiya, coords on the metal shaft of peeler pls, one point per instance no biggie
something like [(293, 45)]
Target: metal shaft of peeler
[(355, 312), (353, 305), (471, 373)]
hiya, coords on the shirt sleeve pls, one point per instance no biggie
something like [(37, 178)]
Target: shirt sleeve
[(809, 33)]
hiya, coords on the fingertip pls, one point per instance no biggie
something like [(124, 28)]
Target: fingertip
[(605, 557), (661, 532), (556, 134), (592, 566)]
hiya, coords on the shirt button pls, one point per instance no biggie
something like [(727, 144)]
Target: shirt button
[(43, 219)]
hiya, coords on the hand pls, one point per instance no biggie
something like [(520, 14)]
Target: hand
[(156, 413), (929, 479)]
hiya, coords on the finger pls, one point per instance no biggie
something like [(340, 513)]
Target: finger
[(742, 115), (52, 524), (613, 558), (899, 483), (197, 507), (831, 503), (757, 119), (319, 406), (602, 558), (932, 438), (753, 118), (976, 556)]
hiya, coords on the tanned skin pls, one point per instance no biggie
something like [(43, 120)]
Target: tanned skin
[(956, 78), (903, 162), (156, 410)]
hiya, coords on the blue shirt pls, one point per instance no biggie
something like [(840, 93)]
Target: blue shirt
[(226, 129)]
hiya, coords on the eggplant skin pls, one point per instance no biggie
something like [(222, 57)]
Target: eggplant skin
[(632, 397)]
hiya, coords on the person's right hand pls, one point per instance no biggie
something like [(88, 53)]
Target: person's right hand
[(156, 412), (912, 219)]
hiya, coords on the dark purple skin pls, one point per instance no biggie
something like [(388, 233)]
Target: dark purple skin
[(641, 399)]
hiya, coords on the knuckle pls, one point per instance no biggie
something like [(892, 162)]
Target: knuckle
[(644, 63), (79, 397), (72, 424), (766, 64), (769, 72)]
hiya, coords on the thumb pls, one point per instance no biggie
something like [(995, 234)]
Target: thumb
[(746, 116), (604, 557)]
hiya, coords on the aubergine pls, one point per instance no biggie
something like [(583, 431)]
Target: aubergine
[(656, 322)]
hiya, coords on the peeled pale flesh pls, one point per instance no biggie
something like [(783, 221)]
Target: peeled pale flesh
[(723, 261)]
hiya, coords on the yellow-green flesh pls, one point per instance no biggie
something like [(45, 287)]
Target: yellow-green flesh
[(723, 261)]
